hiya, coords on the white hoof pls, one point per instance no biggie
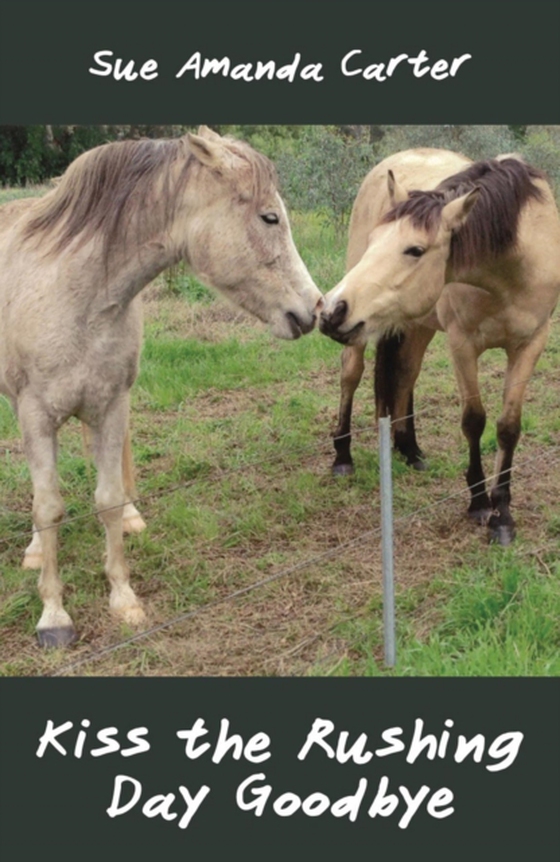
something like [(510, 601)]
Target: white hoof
[(33, 557), (133, 616), (132, 520), (55, 618), (32, 561), (133, 525), (126, 607)]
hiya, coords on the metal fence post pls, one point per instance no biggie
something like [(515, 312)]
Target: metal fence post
[(386, 491)]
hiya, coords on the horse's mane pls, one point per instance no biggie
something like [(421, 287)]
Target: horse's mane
[(107, 189), (505, 186)]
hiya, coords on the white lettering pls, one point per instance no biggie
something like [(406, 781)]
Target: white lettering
[(114, 810), (320, 728), (49, 737), (344, 64), (107, 68)]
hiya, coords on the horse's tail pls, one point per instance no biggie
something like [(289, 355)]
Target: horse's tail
[(390, 376), (388, 370)]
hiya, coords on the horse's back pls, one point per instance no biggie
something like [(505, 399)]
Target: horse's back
[(422, 168), (538, 238), (12, 210)]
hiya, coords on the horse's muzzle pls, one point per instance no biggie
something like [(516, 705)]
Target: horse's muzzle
[(330, 323), (298, 326)]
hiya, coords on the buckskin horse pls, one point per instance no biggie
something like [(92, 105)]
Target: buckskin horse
[(438, 242), (72, 265)]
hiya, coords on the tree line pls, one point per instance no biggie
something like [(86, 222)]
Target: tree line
[(320, 167)]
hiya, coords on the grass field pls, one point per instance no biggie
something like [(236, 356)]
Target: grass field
[(231, 437)]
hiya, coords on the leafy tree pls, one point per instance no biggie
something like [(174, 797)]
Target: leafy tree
[(324, 171)]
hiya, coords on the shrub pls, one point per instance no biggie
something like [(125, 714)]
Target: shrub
[(180, 282), (476, 142), (324, 172), (541, 147)]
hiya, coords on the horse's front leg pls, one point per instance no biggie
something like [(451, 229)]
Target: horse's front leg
[(352, 369), (108, 438), (473, 421), (55, 627), (521, 364)]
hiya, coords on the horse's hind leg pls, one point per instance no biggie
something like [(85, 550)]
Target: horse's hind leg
[(33, 557), (397, 365), (132, 519), (108, 444), (55, 627), (521, 363), (352, 368)]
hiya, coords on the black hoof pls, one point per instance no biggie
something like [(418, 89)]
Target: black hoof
[(342, 469), (419, 465), (62, 636), (502, 535)]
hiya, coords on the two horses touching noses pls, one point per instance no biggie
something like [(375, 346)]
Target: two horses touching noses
[(473, 249), (476, 253), (72, 266)]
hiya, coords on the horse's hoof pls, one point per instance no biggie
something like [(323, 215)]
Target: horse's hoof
[(419, 465), (502, 535), (133, 525), (53, 638), (32, 561), (133, 616), (342, 469)]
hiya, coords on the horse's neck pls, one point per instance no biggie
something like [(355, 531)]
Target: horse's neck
[(133, 272), (118, 279), (498, 278)]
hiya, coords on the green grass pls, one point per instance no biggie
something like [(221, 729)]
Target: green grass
[(12, 194), (495, 617), (173, 370)]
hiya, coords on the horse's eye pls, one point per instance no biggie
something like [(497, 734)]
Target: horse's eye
[(415, 251), (270, 218)]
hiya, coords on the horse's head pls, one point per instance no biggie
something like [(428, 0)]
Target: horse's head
[(236, 235), (402, 273)]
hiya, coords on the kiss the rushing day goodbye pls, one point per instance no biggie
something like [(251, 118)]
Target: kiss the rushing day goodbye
[(369, 796), (354, 64)]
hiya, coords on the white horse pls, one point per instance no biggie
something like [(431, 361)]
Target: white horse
[(71, 267)]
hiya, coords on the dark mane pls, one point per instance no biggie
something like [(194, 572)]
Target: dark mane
[(505, 186), (107, 189)]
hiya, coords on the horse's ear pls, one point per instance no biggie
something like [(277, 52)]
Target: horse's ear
[(516, 156), (208, 133), (207, 151), (397, 194), (455, 213)]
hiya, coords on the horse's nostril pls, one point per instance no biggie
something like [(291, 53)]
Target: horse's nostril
[(339, 313)]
